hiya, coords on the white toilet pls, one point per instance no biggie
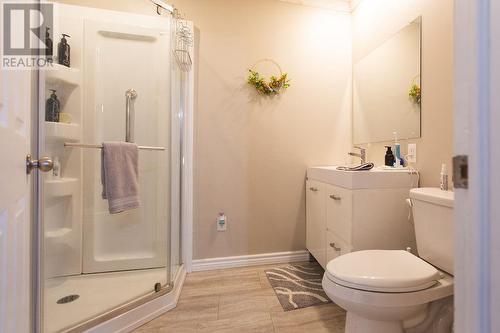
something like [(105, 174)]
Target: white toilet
[(394, 291)]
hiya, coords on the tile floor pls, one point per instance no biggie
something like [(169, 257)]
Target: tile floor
[(240, 300)]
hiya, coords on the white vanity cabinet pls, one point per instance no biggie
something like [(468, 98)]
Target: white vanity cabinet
[(350, 211)]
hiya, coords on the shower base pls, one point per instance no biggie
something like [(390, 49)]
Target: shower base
[(98, 293)]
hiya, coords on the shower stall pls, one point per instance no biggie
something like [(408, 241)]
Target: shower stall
[(129, 80)]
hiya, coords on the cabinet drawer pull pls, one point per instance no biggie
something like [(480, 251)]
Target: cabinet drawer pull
[(334, 197), (338, 249), (314, 189)]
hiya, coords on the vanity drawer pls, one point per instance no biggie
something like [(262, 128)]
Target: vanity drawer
[(316, 220), (339, 211), (335, 246)]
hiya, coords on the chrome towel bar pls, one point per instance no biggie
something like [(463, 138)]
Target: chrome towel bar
[(83, 145)]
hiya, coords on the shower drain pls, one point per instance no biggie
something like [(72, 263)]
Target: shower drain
[(68, 299)]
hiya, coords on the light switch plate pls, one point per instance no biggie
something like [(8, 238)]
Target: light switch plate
[(412, 153)]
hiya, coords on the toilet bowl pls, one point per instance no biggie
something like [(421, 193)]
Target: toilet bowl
[(394, 291), (386, 291)]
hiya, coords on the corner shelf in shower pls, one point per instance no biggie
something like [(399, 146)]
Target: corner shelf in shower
[(62, 75), (62, 131), (61, 187)]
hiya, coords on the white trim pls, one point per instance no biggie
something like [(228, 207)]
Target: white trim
[(136, 317), (250, 260), (187, 197)]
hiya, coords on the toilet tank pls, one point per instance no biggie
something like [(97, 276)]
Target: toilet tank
[(434, 231)]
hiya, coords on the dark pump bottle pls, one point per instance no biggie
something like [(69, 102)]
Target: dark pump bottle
[(52, 107), (64, 51), (48, 44), (389, 156)]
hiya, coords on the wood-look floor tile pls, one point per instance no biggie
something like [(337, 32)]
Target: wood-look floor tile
[(302, 320), (335, 325), (170, 329), (250, 322), (240, 300), (234, 306), (264, 282), (187, 314)]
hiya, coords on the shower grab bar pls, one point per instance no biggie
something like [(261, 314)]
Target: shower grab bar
[(83, 145), (130, 96)]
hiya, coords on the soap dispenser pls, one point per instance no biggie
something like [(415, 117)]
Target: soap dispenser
[(52, 108), (64, 51), (389, 156), (49, 45)]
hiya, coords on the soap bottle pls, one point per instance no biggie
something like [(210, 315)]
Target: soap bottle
[(444, 178), (49, 45), (52, 107), (389, 156), (56, 170), (64, 51)]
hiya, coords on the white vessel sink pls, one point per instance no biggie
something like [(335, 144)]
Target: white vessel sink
[(378, 177)]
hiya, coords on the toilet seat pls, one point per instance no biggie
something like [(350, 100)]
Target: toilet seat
[(443, 288), (387, 271)]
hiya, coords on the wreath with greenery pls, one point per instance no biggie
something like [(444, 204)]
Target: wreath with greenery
[(415, 92), (275, 85)]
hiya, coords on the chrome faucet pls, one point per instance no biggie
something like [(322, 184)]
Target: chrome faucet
[(361, 155)]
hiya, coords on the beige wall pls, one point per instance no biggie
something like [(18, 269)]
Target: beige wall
[(251, 152), (376, 20)]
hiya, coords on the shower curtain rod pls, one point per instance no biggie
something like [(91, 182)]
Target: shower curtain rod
[(163, 5), (83, 145)]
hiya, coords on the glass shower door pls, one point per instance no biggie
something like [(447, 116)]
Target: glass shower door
[(94, 262)]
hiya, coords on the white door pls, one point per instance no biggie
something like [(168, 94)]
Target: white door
[(114, 57), (15, 203), (477, 209)]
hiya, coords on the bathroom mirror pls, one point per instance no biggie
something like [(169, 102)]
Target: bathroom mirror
[(386, 89)]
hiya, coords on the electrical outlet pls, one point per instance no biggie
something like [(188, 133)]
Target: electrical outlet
[(412, 153), (221, 222)]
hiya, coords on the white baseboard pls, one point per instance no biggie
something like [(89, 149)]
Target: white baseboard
[(250, 260), (137, 317)]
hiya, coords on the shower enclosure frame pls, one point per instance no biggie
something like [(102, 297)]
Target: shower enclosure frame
[(132, 308)]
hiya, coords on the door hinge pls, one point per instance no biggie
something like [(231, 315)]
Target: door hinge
[(461, 171)]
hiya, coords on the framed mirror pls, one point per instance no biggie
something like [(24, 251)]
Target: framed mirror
[(386, 89)]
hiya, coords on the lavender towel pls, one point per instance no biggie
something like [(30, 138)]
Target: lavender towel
[(120, 176)]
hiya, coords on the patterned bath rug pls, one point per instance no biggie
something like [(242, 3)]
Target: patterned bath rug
[(298, 286)]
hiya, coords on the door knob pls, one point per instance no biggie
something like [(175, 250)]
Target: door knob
[(44, 164)]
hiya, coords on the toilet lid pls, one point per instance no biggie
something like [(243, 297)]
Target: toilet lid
[(383, 271)]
